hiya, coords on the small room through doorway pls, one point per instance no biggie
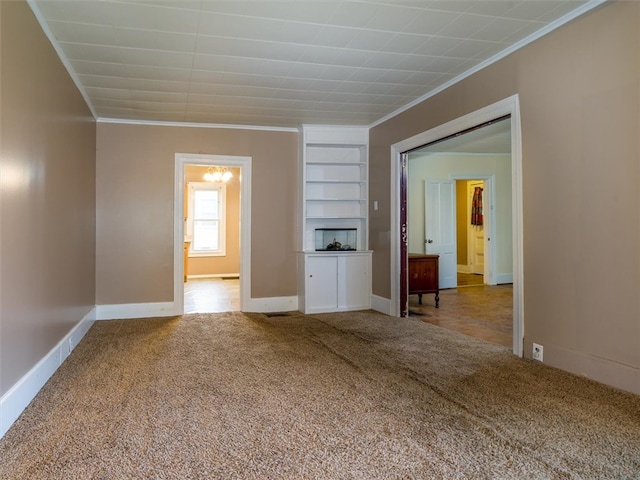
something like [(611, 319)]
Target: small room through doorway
[(211, 238), (470, 234), (467, 223)]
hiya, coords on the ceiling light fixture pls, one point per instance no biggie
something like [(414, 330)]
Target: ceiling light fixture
[(219, 175)]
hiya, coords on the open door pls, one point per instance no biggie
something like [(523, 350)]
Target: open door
[(476, 240), (440, 232)]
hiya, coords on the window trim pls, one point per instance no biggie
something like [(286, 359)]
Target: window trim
[(222, 225)]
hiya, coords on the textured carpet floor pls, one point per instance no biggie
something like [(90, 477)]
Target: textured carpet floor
[(357, 395)]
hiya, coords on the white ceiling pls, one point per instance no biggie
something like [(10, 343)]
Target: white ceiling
[(282, 63)]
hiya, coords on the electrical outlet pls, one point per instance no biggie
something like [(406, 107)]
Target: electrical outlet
[(537, 352)]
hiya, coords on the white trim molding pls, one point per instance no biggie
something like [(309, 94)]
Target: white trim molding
[(264, 128), (244, 164), (584, 8), (272, 304), (18, 397), (381, 304), (235, 276), (61, 55), (135, 310), (167, 309), (504, 278), (603, 370), (509, 106)]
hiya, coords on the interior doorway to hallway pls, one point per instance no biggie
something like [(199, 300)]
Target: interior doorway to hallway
[(212, 238), (212, 271)]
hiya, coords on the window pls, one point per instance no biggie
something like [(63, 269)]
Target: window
[(206, 219)]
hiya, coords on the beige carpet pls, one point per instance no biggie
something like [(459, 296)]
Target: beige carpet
[(336, 396)]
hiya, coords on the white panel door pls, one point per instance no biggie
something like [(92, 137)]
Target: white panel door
[(476, 234), (440, 227)]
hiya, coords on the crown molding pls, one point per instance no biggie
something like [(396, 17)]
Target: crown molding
[(584, 8), (195, 125), (63, 58)]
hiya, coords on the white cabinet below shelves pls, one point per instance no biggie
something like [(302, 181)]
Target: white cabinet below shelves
[(334, 282)]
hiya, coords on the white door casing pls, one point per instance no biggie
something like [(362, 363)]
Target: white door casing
[(244, 163), (440, 227)]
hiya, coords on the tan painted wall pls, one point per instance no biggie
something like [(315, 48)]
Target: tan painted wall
[(135, 177), (47, 197), (579, 96), (229, 263)]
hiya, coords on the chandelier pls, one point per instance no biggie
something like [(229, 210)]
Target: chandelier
[(217, 175)]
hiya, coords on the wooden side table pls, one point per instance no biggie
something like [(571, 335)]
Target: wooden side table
[(424, 270)]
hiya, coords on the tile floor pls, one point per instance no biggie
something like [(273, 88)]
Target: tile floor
[(480, 311)]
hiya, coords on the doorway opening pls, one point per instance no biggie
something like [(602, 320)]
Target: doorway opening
[(212, 238), (211, 234), (453, 211), (401, 230)]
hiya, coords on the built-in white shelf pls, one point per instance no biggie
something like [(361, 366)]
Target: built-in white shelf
[(334, 180)]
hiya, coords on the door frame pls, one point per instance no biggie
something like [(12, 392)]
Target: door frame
[(509, 106), (490, 226), (244, 164)]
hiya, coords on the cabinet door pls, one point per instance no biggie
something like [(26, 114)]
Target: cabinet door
[(354, 281), (321, 283)]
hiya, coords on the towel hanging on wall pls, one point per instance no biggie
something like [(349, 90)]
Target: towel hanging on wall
[(476, 207)]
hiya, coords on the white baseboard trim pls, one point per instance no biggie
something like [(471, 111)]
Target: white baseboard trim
[(464, 269), (214, 275), (381, 304), (135, 310), (602, 370), (168, 309), (271, 304), (504, 278), (18, 397)]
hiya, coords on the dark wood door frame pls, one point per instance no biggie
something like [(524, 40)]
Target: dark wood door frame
[(404, 277)]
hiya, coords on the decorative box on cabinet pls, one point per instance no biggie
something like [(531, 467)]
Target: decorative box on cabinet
[(334, 282), (424, 273)]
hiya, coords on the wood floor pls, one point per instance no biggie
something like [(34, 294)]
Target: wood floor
[(474, 309), (212, 295)]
